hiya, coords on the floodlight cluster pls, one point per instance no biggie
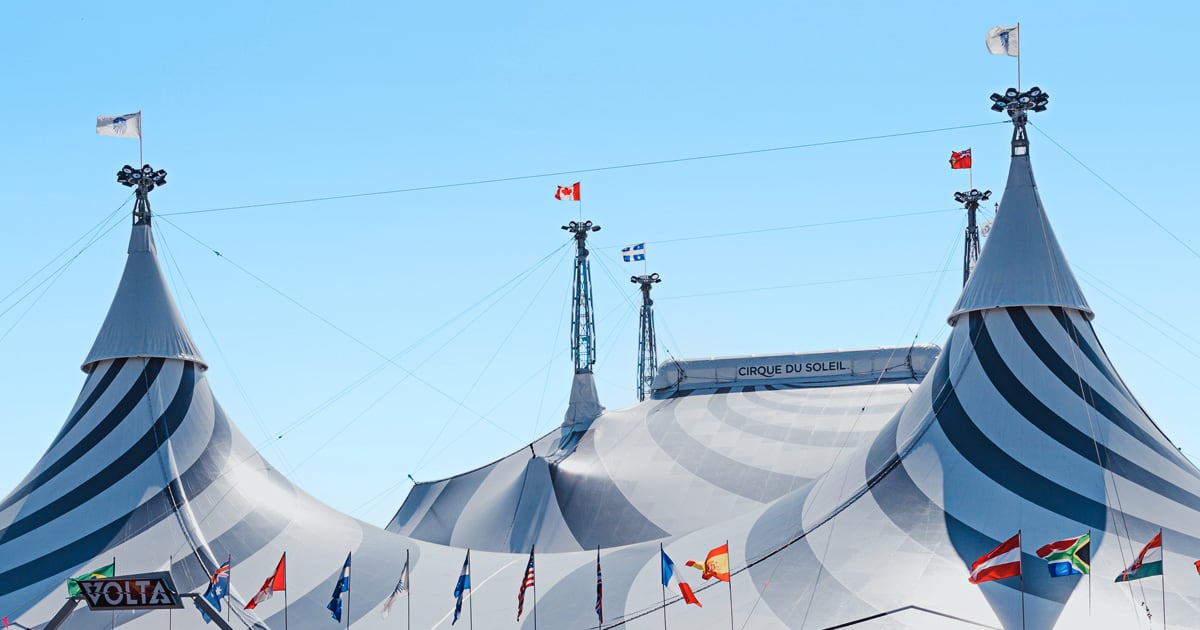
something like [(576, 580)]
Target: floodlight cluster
[(1013, 101), (144, 179)]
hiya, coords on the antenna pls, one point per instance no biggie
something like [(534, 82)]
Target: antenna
[(970, 200), (1018, 105), (583, 325), (647, 347), (144, 180)]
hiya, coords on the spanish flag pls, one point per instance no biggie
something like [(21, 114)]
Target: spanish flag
[(716, 565)]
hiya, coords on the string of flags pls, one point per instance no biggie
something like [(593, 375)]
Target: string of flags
[(1070, 556), (1066, 557)]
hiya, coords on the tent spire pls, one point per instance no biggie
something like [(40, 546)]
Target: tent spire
[(584, 404), (1023, 264), (647, 346), (143, 320)]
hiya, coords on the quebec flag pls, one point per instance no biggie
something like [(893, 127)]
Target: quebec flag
[(342, 586), (634, 253)]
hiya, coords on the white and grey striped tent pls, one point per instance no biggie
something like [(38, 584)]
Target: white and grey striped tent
[(839, 511)]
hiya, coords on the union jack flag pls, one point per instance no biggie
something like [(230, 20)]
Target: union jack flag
[(526, 583), (218, 589)]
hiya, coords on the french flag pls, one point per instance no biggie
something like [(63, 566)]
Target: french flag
[(1002, 562), (668, 576)]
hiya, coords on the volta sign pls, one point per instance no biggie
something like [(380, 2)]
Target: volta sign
[(145, 591)]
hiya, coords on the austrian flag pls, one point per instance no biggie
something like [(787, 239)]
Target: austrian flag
[(1002, 562)]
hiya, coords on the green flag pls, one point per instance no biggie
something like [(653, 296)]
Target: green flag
[(103, 572)]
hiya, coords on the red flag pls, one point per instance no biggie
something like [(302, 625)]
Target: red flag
[(960, 159), (567, 193), (277, 582), (1002, 562), (6, 623)]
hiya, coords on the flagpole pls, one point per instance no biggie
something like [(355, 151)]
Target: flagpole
[(229, 603), (729, 583), (140, 162), (170, 611), (285, 590), (1163, 577), (114, 614), (408, 599), (531, 549), (470, 594), (1019, 63), (1089, 574), (663, 579), (971, 171), (1021, 568), (347, 599)]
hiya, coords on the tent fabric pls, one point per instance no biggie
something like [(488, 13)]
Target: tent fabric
[(143, 320)]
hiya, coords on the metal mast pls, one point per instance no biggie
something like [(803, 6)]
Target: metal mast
[(583, 325), (970, 200), (647, 346), (144, 180), (1018, 105)]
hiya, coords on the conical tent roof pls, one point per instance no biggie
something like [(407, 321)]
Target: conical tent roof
[(1022, 427), (143, 320), (1022, 264)]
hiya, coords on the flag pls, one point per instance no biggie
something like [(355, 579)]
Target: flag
[(6, 623), (1004, 40), (342, 586), (960, 159), (525, 583), (1148, 562), (127, 126), (103, 572), (218, 588), (668, 575), (1197, 563), (1002, 562), (1072, 556), (716, 565), (986, 228), (401, 589), (600, 587), (567, 193), (634, 253), (463, 585), (277, 582)]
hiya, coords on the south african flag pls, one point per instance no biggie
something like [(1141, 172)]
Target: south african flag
[(1072, 556)]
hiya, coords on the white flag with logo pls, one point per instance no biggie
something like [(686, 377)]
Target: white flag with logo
[(127, 126), (1004, 40)]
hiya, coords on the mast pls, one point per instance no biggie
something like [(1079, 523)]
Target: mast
[(970, 200), (647, 346), (583, 324), (1018, 105)]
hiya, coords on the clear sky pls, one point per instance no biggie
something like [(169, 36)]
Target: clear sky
[(836, 246)]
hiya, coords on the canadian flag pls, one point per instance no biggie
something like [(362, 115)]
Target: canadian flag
[(277, 582), (567, 193)]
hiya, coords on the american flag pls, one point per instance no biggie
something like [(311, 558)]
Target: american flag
[(526, 583), (599, 590)]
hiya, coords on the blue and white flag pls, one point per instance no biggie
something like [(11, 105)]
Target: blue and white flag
[(342, 586), (400, 590), (126, 126), (218, 589), (464, 585), (634, 253), (1004, 40)]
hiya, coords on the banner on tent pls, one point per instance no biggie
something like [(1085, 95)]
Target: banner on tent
[(144, 591)]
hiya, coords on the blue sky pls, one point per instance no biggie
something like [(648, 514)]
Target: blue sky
[(837, 246)]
